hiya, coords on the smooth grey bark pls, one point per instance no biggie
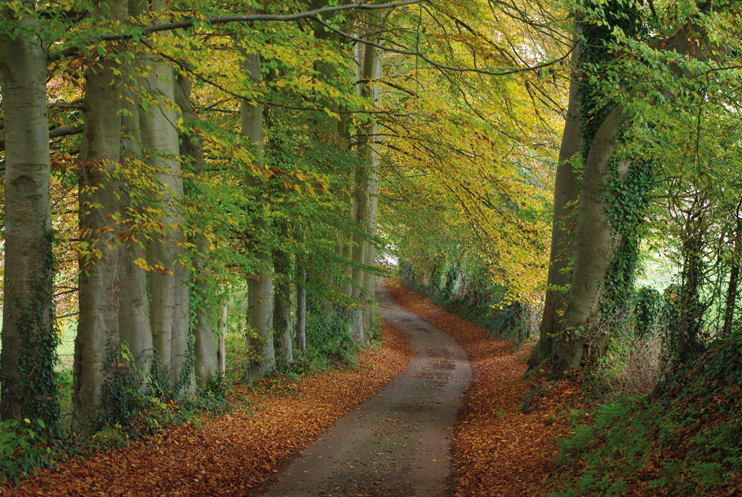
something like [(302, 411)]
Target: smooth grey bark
[(282, 304), (221, 356), (260, 284), (97, 344), (370, 254), (566, 192), (170, 317), (367, 185), (27, 309), (205, 330), (594, 246), (360, 207), (134, 314), (300, 312)]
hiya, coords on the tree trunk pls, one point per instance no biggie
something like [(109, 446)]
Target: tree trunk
[(282, 303), (260, 284), (134, 313), (731, 299), (372, 225), (170, 313), (221, 356), (300, 315), (367, 184), (97, 344), (594, 248), (205, 330), (28, 337), (359, 252), (566, 192)]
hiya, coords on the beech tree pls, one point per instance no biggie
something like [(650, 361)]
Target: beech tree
[(617, 175), (28, 335)]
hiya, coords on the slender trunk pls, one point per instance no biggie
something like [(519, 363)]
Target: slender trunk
[(731, 299), (205, 344), (359, 255), (300, 315), (221, 355), (260, 284), (134, 316), (372, 226), (566, 193), (28, 337), (282, 303), (97, 344), (366, 197)]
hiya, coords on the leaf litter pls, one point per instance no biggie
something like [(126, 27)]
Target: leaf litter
[(234, 453), (499, 450)]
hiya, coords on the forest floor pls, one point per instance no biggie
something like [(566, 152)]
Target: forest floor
[(403, 440)]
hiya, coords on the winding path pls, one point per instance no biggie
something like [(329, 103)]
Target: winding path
[(397, 444)]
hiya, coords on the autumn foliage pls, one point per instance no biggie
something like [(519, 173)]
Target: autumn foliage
[(232, 454)]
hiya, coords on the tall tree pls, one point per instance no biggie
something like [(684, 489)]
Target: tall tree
[(170, 314), (97, 341), (135, 329), (28, 337), (203, 298), (566, 193), (608, 169), (260, 283)]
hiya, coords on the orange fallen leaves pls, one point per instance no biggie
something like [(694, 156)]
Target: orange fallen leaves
[(499, 450), (232, 454)]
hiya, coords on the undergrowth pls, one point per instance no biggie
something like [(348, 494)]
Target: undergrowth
[(685, 438), (26, 447), (483, 303)]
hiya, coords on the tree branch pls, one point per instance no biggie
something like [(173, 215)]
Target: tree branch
[(311, 14)]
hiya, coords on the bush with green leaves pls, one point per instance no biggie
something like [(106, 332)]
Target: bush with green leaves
[(328, 339)]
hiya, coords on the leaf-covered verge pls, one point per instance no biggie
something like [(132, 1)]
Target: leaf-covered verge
[(685, 438), (231, 454), (499, 449)]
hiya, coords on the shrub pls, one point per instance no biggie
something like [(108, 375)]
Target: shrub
[(632, 365)]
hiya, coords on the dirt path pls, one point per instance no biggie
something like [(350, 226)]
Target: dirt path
[(399, 442)]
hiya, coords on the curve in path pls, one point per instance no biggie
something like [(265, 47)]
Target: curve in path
[(397, 444)]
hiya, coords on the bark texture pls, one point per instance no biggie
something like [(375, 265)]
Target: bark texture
[(594, 244), (97, 344), (300, 313), (134, 314), (27, 310), (282, 304), (260, 284), (170, 315), (566, 192), (205, 328)]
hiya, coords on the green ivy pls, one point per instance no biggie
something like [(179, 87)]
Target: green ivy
[(37, 392), (626, 196)]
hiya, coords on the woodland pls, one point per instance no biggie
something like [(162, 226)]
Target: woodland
[(199, 198)]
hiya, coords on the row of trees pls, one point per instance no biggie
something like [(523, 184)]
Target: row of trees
[(159, 154), (194, 151), (647, 164)]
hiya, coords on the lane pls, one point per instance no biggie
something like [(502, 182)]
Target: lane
[(399, 442)]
